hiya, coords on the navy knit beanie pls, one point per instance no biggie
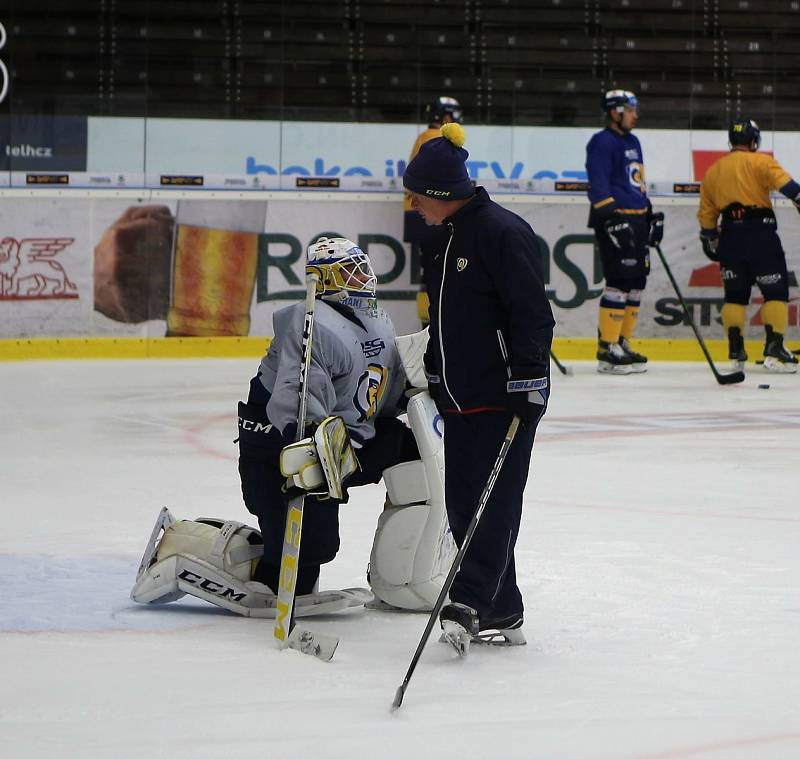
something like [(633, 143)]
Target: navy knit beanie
[(438, 170)]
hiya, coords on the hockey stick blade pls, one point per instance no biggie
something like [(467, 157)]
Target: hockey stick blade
[(398, 697), (320, 646), (563, 369), (730, 379)]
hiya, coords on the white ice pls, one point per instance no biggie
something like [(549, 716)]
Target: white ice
[(659, 558)]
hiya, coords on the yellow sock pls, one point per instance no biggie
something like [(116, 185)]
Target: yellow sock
[(609, 323), (733, 315), (629, 321), (775, 314), (423, 305)]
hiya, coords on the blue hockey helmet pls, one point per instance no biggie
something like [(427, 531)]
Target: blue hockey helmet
[(619, 100), (745, 132)]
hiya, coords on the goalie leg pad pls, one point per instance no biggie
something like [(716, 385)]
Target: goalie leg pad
[(413, 547), (221, 573)]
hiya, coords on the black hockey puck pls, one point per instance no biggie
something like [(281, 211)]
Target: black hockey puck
[(763, 387)]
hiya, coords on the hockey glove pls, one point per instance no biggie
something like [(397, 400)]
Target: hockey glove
[(656, 229), (619, 232), (709, 239), (527, 398), (320, 464)]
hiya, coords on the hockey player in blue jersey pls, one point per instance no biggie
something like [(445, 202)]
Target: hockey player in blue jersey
[(624, 225)]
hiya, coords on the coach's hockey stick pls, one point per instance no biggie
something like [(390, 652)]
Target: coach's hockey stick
[(563, 369), (285, 631), (437, 607), (724, 379)]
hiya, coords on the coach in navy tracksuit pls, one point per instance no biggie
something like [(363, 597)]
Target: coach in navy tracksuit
[(488, 358)]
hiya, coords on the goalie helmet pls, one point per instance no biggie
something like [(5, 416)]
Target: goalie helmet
[(619, 100), (745, 132), (441, 107), (343, 269)]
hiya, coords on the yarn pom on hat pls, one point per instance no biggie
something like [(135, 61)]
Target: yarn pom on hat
[(438, 170)]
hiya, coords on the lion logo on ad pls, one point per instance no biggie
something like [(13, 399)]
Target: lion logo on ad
[(28, 271)]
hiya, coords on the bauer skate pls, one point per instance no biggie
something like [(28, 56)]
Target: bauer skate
[(736, 352), (612, 359), (459, 626), (638, 361), (776, 358)]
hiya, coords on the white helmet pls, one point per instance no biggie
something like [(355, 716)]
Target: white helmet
[(342, 267)]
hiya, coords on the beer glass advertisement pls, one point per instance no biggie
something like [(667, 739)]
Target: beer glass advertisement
[(97, 267)]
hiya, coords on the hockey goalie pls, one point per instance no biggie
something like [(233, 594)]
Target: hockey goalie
[(412, 550), (356, 439)]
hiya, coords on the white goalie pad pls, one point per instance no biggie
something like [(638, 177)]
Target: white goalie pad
[(412, 353), (215, 563), (413, 547)]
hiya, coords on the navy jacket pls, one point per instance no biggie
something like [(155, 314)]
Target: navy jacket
[(490, 318)]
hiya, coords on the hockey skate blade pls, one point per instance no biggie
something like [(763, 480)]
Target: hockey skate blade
[(320, 646), (500, 638), (454, 634)]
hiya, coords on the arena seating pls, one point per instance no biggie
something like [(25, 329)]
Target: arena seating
[(508, 61)]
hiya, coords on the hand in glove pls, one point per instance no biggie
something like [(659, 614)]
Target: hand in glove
[(320, 464), (620, 232), (527, 398), (709, 238), (656, 229)]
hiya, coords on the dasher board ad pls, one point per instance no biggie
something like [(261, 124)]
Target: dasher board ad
[(103, 267), (253, 155)]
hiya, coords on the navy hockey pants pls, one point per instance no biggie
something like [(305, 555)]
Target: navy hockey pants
[(262, 484), (487, 579)]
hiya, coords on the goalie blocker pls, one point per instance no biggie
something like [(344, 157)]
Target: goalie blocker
[(412, 549)]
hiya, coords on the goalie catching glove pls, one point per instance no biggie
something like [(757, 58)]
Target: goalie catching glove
[(321, 464)]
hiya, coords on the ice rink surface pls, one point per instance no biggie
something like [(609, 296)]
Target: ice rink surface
[(659, 558)]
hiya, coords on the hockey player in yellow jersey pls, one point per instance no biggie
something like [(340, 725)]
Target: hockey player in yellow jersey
[(443, 110), (746, 243)]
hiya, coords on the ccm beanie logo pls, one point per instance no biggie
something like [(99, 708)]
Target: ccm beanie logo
[(438, 193)]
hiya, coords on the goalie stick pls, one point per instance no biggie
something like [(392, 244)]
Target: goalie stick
[(321, 646), (724, 379), (437, 607)]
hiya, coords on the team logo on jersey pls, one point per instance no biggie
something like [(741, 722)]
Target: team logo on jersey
[(461, 264), (636, 175), (371, 386), (372, 348)]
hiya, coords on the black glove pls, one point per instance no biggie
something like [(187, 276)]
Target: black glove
[(709, 238), (527, 398), (656, 229), (620, 232), (796, 201)]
